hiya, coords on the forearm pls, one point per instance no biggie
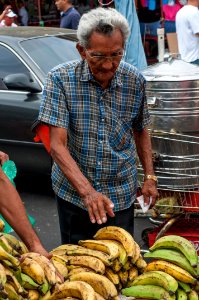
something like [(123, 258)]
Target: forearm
[(144, 150), (70, 169), (12, 209)]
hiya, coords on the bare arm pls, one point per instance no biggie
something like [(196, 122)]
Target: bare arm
[(96, 203), (144, 150), (12, 209), (4, 12)]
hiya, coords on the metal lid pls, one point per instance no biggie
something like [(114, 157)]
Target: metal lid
[(174, 70)]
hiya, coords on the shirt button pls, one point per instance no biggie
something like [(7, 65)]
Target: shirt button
[(99, 163), (102, 120), (100, 141), (97, 183)]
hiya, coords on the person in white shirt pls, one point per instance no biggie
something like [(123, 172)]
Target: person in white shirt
[(9, 19), (187, 28), (23, 13)]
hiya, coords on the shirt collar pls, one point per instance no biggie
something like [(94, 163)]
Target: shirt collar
[(86, 75)]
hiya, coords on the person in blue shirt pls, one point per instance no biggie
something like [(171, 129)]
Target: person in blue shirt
[(97, 113), (69, 15)]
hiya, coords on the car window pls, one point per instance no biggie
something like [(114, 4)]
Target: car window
[(10, 64), (50, 51)]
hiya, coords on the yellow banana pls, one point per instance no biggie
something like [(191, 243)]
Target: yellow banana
[(47, 266), (136, 253), (28, 283), (65, 247), (122, 252), (173, 270), (118, 234), (33, 295), (23, 249), (6, 256), (77, 289), (172, 256), (6, 246), (193, 295), (97, 297), (33, 269), (2, 276), (197, 286), (13, 241), (102, 245), (141, 263), (12, 294), (123, 275), (133, 273), (79, 270), (147, 291), (11, 279), (84, 251), (158, 278), (91, 262), (113, 277), (101, 284), (48, 294), (127, 265), (179, 243), (181, 295), (116, 265), (61, 269), (2, 225)]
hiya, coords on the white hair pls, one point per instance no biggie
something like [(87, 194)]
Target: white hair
[(101, 20)]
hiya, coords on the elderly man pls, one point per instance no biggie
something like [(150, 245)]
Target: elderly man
[(187, 28), (69, 15), (97, 112), (12, 209)]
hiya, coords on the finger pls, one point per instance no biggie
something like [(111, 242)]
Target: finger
[(102, 210), (91, 215), (109, 207), (96, 212)]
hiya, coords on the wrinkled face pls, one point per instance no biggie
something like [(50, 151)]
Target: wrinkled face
[(61, 4), (103, 55)]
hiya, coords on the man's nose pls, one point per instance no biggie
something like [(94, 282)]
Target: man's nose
[(107, 64)]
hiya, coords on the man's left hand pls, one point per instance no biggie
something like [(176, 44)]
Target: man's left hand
[(149, 189), (3, 157)]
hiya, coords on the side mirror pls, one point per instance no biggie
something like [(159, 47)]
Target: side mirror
[(21, 81)]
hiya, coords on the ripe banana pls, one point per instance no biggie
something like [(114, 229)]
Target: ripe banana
[(118, 234), (184, 286), (61, 269), (28, 283), (33, 269), (116, 265), (91, 262), (2, 225), (123, 275), (65, 247), (127, 265), (97, 297), (105, 258), (12, 294), (193, 295), (102, 245), (136, 254), (2, 276), (122, 252), (6, 246), (6, 256), (79, 270), (147, 291), (11, 279), (13, 241), (179, 243), (47, 266), (172, 256), (77, 289), (23, 249), (175, 271), (140, 263), (181, 295), (101, 284), (158, 278), (133, 273), (113, 277), (33, 295)]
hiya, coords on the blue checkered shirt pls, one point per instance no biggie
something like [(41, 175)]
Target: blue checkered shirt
[(99, 125)]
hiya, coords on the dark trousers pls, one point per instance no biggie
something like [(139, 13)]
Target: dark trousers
[(75, 224)]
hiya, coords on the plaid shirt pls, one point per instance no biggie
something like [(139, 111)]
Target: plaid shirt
[(99, 125)]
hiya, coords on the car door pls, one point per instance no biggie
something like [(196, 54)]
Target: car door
[(19, 108)]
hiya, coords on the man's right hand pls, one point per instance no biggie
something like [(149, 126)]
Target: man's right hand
[(98, 206), (3, 157)]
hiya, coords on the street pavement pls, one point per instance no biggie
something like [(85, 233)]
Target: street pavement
[(38, 199)]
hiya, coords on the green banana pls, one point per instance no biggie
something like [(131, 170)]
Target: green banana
[(158, 278), (6, 256), (173, 256), (184, 286), (45, 287), (147, 291), (193, 295), (181, 295), (28, 283), (11, 279), (13, 242), (6, 246), (179, 243)]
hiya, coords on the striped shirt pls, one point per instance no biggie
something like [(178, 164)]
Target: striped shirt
[(99, 125)]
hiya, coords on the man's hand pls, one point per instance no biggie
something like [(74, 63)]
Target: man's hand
[(98, 206), (149, 189), (3, 157), (38, 248)]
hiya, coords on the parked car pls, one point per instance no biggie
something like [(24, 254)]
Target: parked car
[(26, 55)]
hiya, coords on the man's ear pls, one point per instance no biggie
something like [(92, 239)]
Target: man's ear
[(81, 50)]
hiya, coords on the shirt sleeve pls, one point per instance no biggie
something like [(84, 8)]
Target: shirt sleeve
[(53, 109), (143, 117), (194, 22)]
